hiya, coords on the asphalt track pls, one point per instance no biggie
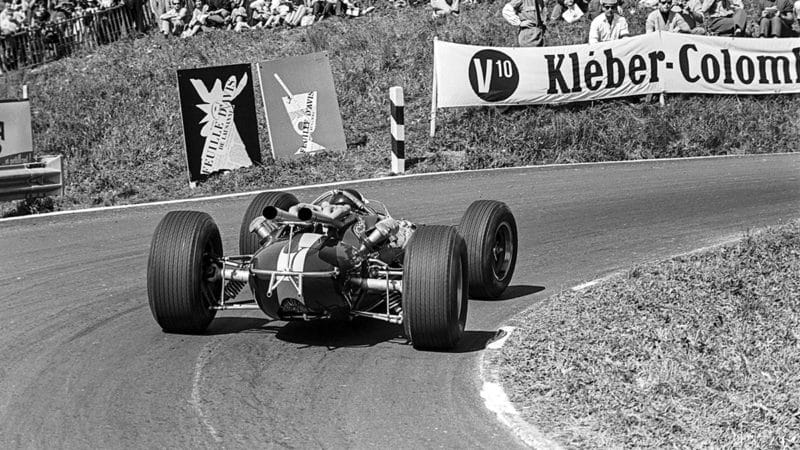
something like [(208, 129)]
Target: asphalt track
[(83, 364)]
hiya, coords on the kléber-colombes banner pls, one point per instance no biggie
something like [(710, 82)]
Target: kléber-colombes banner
[(468, 75)]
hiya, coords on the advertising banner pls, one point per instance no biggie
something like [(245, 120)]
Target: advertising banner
[(301, 105), (220, 127), (16, 138), (467, 75)]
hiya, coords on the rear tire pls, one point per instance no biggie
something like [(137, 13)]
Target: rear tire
[(435, 288), (182, 256), (490, 231), (249, 242)]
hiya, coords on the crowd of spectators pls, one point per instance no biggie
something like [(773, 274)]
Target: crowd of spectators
[(607, 21), (35, 31), (186, 18), (22, 15)]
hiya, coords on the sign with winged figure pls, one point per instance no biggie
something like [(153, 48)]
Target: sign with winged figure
[(219, 119)]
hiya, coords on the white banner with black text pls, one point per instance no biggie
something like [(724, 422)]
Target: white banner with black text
[(468, 75)]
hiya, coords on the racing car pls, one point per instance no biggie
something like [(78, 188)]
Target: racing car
[(340, 256)]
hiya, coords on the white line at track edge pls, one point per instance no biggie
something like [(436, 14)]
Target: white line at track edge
[(496, 401), (368, 180), (195, 400)]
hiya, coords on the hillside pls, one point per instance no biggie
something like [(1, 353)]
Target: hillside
[(114, 114)]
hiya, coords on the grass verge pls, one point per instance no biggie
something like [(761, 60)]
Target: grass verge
[(114, 114), (699, 351)]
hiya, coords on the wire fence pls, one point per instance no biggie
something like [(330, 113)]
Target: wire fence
[(55, 40)]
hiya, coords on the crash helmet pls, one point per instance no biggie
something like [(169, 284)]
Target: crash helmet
[(350, 197)]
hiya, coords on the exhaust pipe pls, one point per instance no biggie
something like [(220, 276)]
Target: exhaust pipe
[(301, 214), (306, 214), (274, 213)]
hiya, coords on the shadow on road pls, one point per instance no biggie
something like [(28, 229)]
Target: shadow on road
[(474, 341), (513, 292), (233, 325), (337, 334)]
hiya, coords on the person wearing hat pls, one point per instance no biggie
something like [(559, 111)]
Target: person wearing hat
[(527, 15), (609, 25), (666, 18)]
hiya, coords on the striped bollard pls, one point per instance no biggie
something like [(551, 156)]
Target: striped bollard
[(398, 130)]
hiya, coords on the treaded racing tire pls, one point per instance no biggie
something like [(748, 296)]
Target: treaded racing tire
[(248, 242), (490, 231), (179, 268), (435, 288)]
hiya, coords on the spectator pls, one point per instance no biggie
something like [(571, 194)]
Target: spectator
[(442, 8), (777, 17), (299, 10), (239, 15), (691, 12), (797, 10), (665, 19), (595, 9), (355, 10), (20, 10), (219, 13), (279, 9), (197, 20), (239, 20), (724, 17), (40, 16), (527, 16), (158, 8), (328, 8), (261, 12), (610, 25), (174, 20), (7, 23), (135, 12), (569, 10)]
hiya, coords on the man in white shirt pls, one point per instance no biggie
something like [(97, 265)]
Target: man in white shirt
[(665, 18), (609, 25), (527, 15)]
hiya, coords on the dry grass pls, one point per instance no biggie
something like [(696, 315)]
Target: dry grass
[(700, 351)]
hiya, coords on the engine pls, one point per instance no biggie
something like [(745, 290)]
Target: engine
[(310, 254)]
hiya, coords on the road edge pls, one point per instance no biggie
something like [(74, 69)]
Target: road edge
[(380, 179)]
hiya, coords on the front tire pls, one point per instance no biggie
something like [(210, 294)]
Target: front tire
[(435, 288), (249, 242), (182, 280), (490, 231)]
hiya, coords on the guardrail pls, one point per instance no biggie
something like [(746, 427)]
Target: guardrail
[(38, 179)]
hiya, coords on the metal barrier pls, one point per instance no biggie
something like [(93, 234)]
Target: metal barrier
[(56, 40), (32, 180)]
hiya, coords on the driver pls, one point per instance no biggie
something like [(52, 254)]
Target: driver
[(370, 228)]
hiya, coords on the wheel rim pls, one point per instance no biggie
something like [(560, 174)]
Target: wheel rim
[(502, 251), (209, 286)]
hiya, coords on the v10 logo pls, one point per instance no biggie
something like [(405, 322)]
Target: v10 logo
[(493, 75)]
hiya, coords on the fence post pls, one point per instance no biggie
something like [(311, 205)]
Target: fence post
[(398, 129), (434, 88)]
